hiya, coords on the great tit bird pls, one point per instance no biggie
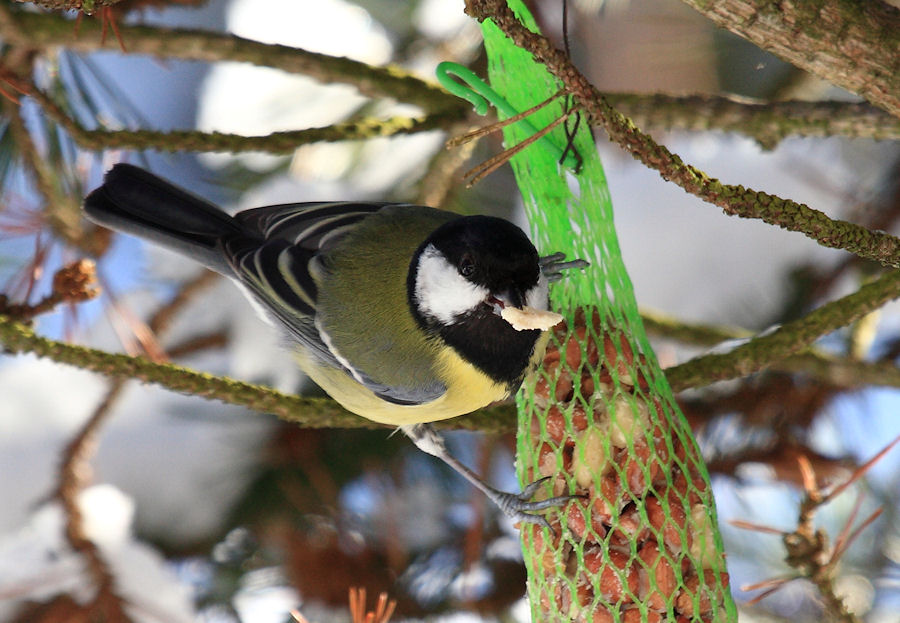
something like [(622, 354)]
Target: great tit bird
[(393, 309)]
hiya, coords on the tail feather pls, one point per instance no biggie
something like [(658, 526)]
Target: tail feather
[(137, 202)]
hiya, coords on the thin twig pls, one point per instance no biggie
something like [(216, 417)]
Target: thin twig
[(75, 470), (61, 212), (440, 181), (462, 139), (162, 319), (493, 163), (74, 475), (808, 549), (73, 283)]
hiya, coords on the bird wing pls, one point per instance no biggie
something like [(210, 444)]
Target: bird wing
[(312, 226), (276, 258)]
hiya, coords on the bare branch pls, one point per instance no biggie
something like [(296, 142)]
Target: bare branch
[(311, 412), (37, 30), (275, 143), (74, 475), (766, 122), (793, 337)]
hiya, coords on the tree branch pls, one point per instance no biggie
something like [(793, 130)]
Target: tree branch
[(835, 370), (320, 412), (275, 143), (766, 122), (840, 371), (656, 323), (850, 43), (793, 337), (88, 6), (780, 350), (42, 30), (310, 412), (18, 338), (733, 199)]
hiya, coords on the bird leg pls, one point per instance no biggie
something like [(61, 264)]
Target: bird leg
[(517, 506)]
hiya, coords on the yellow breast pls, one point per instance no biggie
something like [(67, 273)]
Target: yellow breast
[(468, 389)]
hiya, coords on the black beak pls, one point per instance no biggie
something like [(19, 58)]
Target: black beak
[(509, 298)]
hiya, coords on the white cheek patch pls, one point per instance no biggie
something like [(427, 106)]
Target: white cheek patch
[(537, 296), (442, 293)]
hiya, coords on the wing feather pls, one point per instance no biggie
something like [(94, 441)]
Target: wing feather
[(277, 261), (306, 224)]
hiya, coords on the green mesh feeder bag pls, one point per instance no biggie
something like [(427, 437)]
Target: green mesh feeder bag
[(599, 418)]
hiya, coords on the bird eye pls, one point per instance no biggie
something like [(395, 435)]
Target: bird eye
[(466, 266)]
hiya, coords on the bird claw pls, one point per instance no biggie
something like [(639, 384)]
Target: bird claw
[(553, 265), (519, 507), (531, 488)]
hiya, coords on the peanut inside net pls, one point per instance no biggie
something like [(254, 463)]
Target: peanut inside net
[(640, 545)]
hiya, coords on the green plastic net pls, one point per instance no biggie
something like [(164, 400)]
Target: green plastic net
[(599, 419)]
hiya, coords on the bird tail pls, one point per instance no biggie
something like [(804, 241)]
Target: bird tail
[(136, 202)]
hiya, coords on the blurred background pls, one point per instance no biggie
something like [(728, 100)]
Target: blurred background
[(208, 512)]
